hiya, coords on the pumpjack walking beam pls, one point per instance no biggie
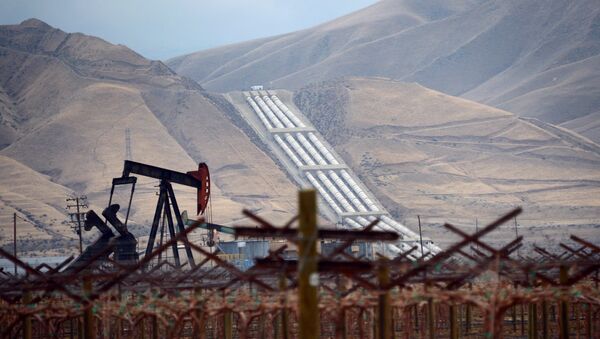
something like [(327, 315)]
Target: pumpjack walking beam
[(199, 179)]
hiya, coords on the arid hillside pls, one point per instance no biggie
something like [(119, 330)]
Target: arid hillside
[(533, 58), (66, 103), (452, 160)]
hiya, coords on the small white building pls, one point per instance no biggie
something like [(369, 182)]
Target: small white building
[(256, 88)]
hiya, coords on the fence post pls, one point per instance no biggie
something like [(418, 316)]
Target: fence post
[(308, 278)]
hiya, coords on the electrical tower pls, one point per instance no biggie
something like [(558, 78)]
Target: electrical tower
[(128, 155), (78, 217)]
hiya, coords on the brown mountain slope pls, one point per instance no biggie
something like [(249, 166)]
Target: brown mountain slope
[(270, 60), (73, 97), (534, 58), (449, 159), (34, 197)]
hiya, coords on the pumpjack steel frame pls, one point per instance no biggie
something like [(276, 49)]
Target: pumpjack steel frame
[(167, 202)]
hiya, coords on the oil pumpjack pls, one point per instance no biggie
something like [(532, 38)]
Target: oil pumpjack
[(124, 246)]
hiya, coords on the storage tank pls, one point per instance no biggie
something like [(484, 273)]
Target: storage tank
[(244, 251)]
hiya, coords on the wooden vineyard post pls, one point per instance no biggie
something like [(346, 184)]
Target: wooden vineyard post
[(577, 320), (453, 322), (532, 321), (544, 319), (119, 325), (308, 278), (154, 327), (522, 319), (142, 328), (468, 319), (27, 320), (588, 320), (283, 317), (384, 311), (199, 325), (431, 318), (416, 317), (564, 307), (228, 325), (88, 316), (340, 329), (514, 318)]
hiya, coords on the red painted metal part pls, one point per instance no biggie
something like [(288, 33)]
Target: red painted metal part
[(203, 175)]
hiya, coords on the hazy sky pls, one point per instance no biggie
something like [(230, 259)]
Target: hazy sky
[(160, 29)]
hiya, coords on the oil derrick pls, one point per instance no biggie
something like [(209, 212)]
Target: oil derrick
[(123, 245)]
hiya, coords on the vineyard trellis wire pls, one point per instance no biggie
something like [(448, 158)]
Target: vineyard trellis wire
[(469, 290)]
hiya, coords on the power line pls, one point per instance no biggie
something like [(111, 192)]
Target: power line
[(15, 216), (78, 216)]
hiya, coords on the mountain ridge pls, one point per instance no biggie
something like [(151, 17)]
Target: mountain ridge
[(536, 58), (74, 99)]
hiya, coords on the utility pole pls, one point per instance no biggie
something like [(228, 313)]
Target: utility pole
[(78, 217), (420, 235), (128, 155), (517, 235), (476, 230), (15, 238)]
